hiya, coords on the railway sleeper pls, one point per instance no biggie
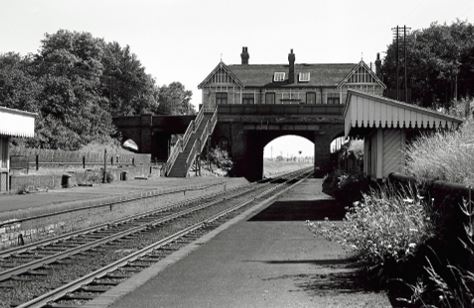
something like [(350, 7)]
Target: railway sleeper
[(151, 259), (95, 289), (65, 261), (116, 276), (133, 267), (79, 296), (101, 282), (63, 305), (35, 273), (142, 263)]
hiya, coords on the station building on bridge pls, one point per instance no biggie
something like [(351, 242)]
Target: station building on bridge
[(290, 83), (260, 102)]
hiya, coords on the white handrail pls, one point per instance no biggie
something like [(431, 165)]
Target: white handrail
[(193, 127)]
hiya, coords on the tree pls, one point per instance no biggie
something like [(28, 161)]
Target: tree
[(440, 62), (69, 67), (129, 90), (174, 99), (77, 83), (18, 87)]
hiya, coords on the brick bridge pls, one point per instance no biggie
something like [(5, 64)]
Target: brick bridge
[(243, 130)]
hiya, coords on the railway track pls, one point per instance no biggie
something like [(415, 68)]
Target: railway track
[(102, 257)]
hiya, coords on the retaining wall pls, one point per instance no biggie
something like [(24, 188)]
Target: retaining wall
[(31, 182)]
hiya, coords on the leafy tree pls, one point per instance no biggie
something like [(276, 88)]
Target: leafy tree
[(174, 99), (69, 67), (18, 87), (129, 90), (77, 83), (440, 62)]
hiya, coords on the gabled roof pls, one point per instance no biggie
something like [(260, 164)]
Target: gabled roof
[(259, 75), (226, 69), (16, 123), (365, 110), (354, 70)]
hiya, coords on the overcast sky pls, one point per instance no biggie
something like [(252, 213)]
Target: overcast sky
[(183, 40)]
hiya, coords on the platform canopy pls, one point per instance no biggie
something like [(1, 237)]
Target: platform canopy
[(16, 123), (364, 111)]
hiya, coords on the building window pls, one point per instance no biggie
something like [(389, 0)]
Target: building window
[(333, 98), (304, 76), (311, 98), (247, 98), (279, 76), (221, 98), (270, 98)]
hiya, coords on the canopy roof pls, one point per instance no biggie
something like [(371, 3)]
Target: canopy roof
[(16, 123), (372, 111)]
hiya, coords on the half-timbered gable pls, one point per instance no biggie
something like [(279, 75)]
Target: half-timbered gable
[(360, 78), (221, 86)]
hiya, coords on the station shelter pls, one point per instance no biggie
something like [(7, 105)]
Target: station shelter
[(13, 123), (387, 126)]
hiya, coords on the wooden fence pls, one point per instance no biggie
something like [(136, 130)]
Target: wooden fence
[(26, 158)]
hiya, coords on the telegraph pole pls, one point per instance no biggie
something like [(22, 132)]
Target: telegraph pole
[(405, 61), (397, 32), (396, 56)]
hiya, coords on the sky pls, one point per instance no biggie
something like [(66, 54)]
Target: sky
[(183, 40)]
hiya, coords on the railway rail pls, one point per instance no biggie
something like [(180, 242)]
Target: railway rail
[(159, 232)]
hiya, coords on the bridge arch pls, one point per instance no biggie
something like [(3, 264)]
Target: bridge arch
[(293, 149), (246, 147)]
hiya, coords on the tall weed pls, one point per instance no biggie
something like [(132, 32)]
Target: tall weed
[(445, 284), (447, 156)]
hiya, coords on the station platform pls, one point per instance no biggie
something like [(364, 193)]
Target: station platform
[(12, 205), (265, 257)]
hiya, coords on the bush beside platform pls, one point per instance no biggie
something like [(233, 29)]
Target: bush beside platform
[(413, 238)]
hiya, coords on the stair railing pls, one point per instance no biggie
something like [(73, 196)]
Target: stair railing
[(182, 143), (175, 150), (200, 141), (199, 118), (213, 121)]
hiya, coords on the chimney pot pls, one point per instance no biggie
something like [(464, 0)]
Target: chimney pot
[(378, 66), (244, 56), (291, 68)]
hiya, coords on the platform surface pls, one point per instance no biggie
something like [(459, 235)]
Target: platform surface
[(13, 202), (261, 261)]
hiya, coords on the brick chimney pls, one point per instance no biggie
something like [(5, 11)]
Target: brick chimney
[(291, 68), (245, 56), (378, 67)]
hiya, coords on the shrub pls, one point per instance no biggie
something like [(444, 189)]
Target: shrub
[(385, 227), (109, 177), (220, 158), (447, 156), (344, 187)]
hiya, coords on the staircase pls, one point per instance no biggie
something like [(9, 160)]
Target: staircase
[(186, 149)]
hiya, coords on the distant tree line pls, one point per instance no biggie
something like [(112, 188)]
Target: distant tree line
[(77, 83), (440, 64)]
